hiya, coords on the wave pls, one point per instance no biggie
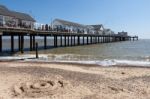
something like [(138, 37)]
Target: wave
[(23, 57), (111, 63), (80, 59)]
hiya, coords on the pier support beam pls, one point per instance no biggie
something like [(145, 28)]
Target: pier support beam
[(19, 43), (34, 42), (68, 41), (22, 43), (31, 43), (45, 42), (61, 41), (83, 41), (87, 40), (78, 40), (12, 43), (65, 41), (91, 40), (0, 43), (103, 39), (71, 41), (55, 41), (96, 39), (106, 39), (74, 40)]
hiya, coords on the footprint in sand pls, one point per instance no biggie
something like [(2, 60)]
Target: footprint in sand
[(38, 88)]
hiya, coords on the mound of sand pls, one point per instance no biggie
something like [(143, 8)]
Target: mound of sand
[(36, 89)]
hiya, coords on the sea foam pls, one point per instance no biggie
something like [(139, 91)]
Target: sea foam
[(71, 59)]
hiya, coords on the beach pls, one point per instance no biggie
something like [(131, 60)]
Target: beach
[(47, 80)]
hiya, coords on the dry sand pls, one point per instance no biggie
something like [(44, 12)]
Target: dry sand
[(21, 80)]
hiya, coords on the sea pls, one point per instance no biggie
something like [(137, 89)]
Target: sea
[(132, 53)]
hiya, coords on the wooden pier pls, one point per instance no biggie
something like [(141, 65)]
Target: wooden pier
[(65, 38)]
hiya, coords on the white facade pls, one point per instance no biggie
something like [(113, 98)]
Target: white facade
[(108, 32), (60, 26), (8, 21), (71, 27)]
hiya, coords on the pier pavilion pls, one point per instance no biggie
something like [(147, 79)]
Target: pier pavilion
[(64, 33)]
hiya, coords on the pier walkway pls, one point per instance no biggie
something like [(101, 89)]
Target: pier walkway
[(65, 38)]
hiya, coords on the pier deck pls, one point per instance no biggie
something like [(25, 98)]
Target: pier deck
[(70, 39)]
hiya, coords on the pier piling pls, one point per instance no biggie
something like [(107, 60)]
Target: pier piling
[(65, 40), (0, 43), (71, 41), (12, 43), (31, 43), (37, 55), (45, 42), (87, 40), (22, 43), (61, 41)]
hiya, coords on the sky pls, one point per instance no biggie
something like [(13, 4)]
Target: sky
[(132, 16)]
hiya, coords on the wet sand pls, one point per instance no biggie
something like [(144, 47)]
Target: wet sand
[(39, 80)]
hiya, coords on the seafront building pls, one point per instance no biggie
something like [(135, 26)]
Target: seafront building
[(72, 27), (67, 26), (9, 18), (109, 32), (99, 29)]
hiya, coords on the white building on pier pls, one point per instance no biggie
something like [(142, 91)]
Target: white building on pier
[(9, 18)]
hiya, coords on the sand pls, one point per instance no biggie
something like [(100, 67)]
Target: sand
[(39, 80)]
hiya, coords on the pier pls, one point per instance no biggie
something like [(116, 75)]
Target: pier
[(63, 33), (60, 39)]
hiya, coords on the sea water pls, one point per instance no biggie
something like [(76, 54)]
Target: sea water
[(135, 53)]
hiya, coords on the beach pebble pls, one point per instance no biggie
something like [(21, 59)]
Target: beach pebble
[(123, 73), (18, 90)]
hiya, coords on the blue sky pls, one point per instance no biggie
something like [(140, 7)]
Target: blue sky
[(128, 15)]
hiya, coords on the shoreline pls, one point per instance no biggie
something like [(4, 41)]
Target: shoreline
[(73, 63)]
